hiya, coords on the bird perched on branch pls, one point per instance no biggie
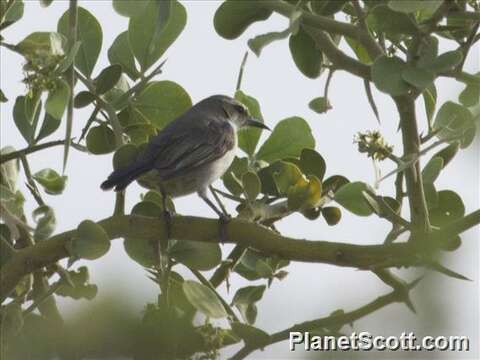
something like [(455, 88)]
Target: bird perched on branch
[(191, 152)]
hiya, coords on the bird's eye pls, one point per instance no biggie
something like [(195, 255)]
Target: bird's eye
[(241, 109)]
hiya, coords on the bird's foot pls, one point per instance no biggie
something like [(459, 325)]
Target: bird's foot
[(224, 219)]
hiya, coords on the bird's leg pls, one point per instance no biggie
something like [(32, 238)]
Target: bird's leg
[(219, 202), (163, 260), (224, 217)]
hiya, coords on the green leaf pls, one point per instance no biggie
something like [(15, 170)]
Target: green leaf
[(252, 186), (359, 50), (82, 99), (233, 17), (23, 123), (107, 79), (89, 33), (420, 78), (328, 7), (3, 98), (387, 75), (90, 242), (46, 222), (447, 61), (428, 52), (431, 171), (252, 336), (320, 105), (129, 8), (45, 3), (121, 53), (305, 54), (196, 255), (287, 139), (450, 207), (160, 102), (58, 99), (257, 43), (79, 288), (332, 215), (204, 299), (115, 94), (448, 153), (430, 101), (51, 181), (153, 31), (14, 13), (245, 299), (68, 60), (148, 209), (350, 196), (384, 19), (454, 121), (248, 137), (232, 178), (334, 183), (312, 163), (412, 6), (39, 43), (100, 140), (470, 96), (143, 251)]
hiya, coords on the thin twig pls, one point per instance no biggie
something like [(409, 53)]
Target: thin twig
[(240, 72)]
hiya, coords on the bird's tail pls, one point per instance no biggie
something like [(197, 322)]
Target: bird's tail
[(121, 178)]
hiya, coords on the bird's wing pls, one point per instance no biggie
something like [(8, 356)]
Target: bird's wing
[(189, 144)]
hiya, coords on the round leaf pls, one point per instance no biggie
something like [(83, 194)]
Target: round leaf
[(420, 78), (332, 215), (305, 54), (142, 251), (204, 299), (320, 105), (453, 120), (89, 33), (90, 242), (82, 99), (128, 8), (387, 75), (196, 255), (51, 181), (107, 79), (120, 53), (248, 137), (160, 102), (350, 196), (152, 31), (312, 163), (233, 17), (447, 61), (100, 140), (124, 156), (287, 139), (450, 207), (431, 171), (251, 185), (57, 100)]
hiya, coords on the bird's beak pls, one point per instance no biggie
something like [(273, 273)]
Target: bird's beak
[(258, 124)]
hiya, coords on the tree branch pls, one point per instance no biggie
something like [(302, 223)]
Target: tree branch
[(238, 231), (327, 24), (413, 176), (28, 150), (329, 321)]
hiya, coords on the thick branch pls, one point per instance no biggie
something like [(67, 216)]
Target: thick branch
[(240, 232), (411, 145), (327, 24)]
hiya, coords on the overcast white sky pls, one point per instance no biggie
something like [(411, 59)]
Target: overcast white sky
[(205, 64)]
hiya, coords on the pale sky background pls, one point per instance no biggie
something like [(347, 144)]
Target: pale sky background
[(205, 64)]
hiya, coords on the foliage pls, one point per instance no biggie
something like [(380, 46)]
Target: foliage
[(395, 44)]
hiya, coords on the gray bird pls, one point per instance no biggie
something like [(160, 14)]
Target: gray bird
[(191, 152)]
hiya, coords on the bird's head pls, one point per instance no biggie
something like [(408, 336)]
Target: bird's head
[(235, 112)]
